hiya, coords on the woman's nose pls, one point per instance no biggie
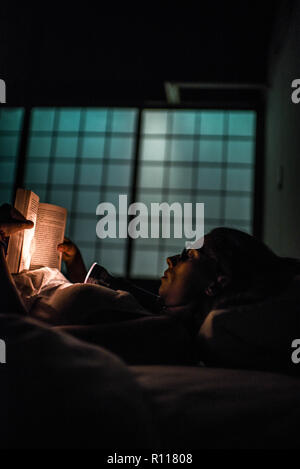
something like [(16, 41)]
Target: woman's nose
[(172, 261)]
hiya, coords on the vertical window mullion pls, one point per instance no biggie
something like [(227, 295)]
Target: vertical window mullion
[(135, 172), (75, 186), (52, 157), (23, 145), (105, 162)]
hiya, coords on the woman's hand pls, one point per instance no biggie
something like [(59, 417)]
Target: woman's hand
[(69, 250), (73, 259), (12, 221)]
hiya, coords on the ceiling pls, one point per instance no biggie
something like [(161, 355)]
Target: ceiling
[(82, 51)]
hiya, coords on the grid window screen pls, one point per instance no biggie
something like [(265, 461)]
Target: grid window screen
[(11, 122), (77, 158), (195, 156)]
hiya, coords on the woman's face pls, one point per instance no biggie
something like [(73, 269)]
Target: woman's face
[(187, 277)]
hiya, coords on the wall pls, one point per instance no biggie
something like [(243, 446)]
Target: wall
[(282, 206)]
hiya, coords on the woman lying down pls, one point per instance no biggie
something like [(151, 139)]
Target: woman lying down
[(231, 268)]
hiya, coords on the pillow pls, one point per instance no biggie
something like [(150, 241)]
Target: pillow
[(257, 336), (59, 392)]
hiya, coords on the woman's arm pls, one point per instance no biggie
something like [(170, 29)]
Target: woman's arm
[(76, 272), (10, 301), (11, 221), (71, 255)]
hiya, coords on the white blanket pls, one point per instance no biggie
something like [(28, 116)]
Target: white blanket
[(40, 283), (49, 296)]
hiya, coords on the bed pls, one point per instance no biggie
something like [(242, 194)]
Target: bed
[(63, 387), (60, 392)]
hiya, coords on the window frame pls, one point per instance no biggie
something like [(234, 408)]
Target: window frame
[(244, 104)]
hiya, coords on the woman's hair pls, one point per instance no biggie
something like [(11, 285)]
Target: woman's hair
[(254, 270)]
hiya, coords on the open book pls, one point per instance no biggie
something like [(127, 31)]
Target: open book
[(30, 249)]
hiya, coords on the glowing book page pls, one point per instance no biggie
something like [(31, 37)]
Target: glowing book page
[(49, 232), (19, 248)]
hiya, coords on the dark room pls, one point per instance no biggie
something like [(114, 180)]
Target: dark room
[(150, 229)]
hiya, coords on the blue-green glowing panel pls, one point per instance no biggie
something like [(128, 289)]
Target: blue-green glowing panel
[(42, 119), (96, 120), (209, 179), (121, 148), (90, 174), (114, 243), (39, 147), (172, 196), (182, 150), (151, 177), (154, 122), (87, 202), (180, 177), (153, 149), (238, 208), (211, 151), (9, 145), (85, 230), (239, 179), (63, 173), (118, 175), (36, 173), (7, 172), (242, 123), (204, 156), (66, 147), (88, 254), (147, 199), (124, 120), (241, 151), (62, 198), (212, 204), (11, 119), (145, 263), (112, 196), (69, 120), (212, 123), (80, 148), (93, 147), (11, 122), (184, 155), (5, 194), (183, 122), (113, 259)]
